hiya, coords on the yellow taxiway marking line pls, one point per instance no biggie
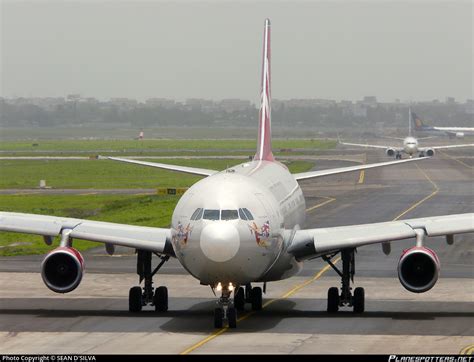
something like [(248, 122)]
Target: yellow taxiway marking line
[(316, 276), (329, 199), (249, 314), (468, 350), (455, 159), (361, 177), (415, 205)]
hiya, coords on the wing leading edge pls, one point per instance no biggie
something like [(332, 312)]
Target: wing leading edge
[(185, 169), (310, 243), (333, 171), (138, 237)]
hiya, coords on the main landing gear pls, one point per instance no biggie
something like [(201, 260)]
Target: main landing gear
[(227, 308), (139, 297), (248, 295), (345, 297), (398, 156)]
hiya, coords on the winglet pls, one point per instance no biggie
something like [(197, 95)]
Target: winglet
[(264, 142)]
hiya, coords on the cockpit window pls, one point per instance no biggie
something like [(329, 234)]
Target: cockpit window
[(197, 214), (248, 214), (229, 215), (211, 214), (242, 214)]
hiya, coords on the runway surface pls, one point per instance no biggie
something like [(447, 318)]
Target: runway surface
[(94, 317)]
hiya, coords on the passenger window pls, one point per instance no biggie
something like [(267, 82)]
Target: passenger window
[(197, 214), (211, 214), (242, 215), (248, 213), (229, 215)]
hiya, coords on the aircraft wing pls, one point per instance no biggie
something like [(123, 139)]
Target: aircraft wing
[(366, 145), (310, 243), (333, 171), (446, 147), (185, 169), (138, 237)]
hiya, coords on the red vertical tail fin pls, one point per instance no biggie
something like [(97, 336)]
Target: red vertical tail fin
[(264, 142)]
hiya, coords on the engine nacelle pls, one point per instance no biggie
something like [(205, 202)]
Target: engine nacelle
[(430, 152), (62, 269), (459, 134), (418, 269), (390, 152)]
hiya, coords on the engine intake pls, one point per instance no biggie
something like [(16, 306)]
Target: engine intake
[(62, 269), (390, 152), (418, 269), (430, 152)]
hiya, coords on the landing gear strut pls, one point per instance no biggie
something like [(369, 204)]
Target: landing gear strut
[(398, 156), (225, 309), (248, 295), (139, 297), (345, 297)]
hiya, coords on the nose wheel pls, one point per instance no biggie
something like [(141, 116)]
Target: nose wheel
[(345, 298), (225, 310)]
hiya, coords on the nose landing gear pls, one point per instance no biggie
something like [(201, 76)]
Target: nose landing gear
[(225, 309)]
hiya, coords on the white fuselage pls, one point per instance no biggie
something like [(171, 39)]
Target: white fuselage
[(410, 145), (223, 243)]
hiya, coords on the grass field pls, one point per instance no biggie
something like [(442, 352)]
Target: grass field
[(150, 210), (146, 146), (104, 174)]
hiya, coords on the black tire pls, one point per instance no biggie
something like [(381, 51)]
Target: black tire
[(359, 300), (239, 299), (232, 317), (160, 299), (135, 301), (218, 317), (256, 296), (333, 300)]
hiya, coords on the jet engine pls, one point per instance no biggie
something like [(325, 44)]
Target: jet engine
[(390, 152), (430, 152), (459, 134), (418, 269), (62, 269)]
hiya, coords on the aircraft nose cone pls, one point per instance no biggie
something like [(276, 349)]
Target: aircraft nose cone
[(220, 241)]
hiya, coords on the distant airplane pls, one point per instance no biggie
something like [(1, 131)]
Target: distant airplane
[(140, 136), (410, 145), (241, 226), (458, 132)]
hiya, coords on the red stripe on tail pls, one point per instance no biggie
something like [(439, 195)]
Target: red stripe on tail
[(264, 142)]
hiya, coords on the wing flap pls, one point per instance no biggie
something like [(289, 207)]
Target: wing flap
[(316, 242), (333, 171), (165, 166), (138, 237)]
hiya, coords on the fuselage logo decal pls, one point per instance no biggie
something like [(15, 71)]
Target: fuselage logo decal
[(262, 234)]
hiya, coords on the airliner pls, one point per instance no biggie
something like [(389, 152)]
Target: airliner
[(410, 145), (458, 132), (238, 227)]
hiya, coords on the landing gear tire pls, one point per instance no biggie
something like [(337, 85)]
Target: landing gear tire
[(232, 317), (160, 299), (135, 301), (359, 300), (398, 157), (218, 317), (422, 154), (333, 300), (239, 299), (256, 296)]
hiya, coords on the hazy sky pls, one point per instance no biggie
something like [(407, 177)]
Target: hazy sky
[(418, 50)]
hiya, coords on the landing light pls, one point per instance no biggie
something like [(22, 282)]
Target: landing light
[(219, 287), (231, 287)]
